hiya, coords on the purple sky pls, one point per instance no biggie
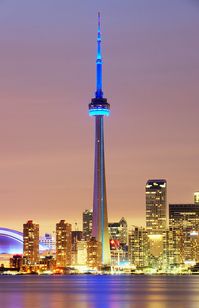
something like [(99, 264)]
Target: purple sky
[(47, 78)]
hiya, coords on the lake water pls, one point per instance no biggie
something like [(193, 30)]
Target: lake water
[(99, 291)]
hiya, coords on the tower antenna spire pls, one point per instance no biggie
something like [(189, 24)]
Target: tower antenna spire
[(99, 92), (98, 21)]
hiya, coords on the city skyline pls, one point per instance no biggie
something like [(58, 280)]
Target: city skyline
[(160, 247), (86, 216), (151, 77)]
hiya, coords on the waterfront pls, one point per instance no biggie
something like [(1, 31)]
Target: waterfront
[(82, 291)]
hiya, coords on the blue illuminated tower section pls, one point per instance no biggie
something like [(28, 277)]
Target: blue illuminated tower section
[(99, 107)]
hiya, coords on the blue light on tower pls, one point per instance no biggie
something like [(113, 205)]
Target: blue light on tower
[(99, 111), (99, 107)]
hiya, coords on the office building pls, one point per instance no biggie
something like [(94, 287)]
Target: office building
[(184, 216), (156, 206), (138, 247), (184, 223), (87, 224)]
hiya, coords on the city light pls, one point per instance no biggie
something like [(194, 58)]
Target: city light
[(98, 111)]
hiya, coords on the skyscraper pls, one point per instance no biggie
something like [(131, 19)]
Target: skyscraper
[(156, 200), (184, 216), (184, 223), (63, 243), (87, 224), (31, 242), (138, 247), (99, 107)]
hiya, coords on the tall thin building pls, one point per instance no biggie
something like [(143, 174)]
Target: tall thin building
[(76, 237), (138, 247), (99, 107), (156, 201), (87, 224), (31, 242), (63, 244)]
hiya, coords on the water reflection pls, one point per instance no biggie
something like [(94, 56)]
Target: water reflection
[(99, 291)]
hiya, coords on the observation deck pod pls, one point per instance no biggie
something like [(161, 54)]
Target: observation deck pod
[(99, 106)]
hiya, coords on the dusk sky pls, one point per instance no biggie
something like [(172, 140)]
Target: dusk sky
[(47, 78)]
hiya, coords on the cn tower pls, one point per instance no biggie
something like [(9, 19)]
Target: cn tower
[(98, 108)]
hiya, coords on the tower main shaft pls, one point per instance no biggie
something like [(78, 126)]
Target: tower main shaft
[(99, 107)]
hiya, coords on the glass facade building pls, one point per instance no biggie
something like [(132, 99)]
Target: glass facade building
[(156, 206)]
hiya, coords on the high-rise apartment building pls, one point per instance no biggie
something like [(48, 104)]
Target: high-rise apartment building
[(156, 206), (63, 244), (87, 224), (31, 242)]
